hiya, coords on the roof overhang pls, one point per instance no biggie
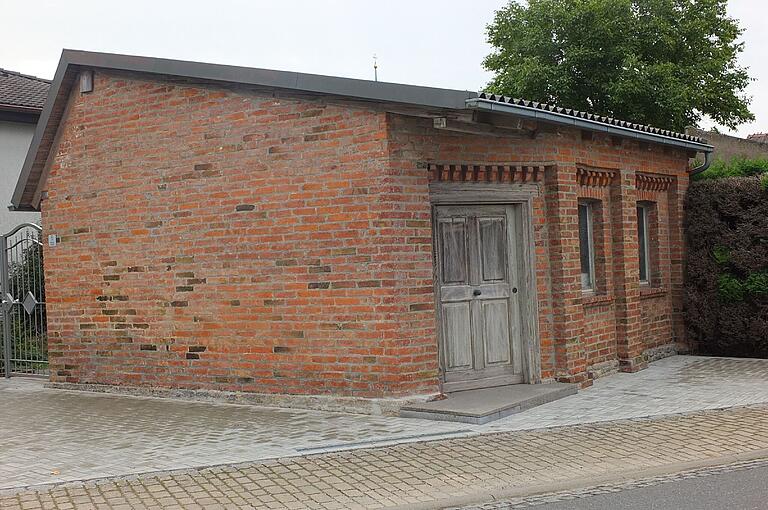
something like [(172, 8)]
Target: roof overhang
[(583, 123), (28, 190), (15, 113)]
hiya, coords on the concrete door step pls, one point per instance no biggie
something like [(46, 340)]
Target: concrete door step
[(488, 404)]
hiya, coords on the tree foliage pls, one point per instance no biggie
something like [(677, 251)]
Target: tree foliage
[(659, 62)]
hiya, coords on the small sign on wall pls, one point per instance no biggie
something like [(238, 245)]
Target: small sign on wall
[(52, 240)]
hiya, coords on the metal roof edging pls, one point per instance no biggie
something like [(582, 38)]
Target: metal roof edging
[(592, 125), (271, 78), (40, 129)]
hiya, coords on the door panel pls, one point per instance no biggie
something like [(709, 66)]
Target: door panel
[(496, 335), (493, 256), (456, 329), (453, 237), (476, 276)]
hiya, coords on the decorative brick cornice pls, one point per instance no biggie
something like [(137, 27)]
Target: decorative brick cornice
[(594, 177), (466, 172), (653, 182)]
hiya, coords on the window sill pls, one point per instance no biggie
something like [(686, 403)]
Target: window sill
[(651, 292)]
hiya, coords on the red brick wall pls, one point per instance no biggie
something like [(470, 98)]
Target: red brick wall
[(414, 142), (656, 301), (577, 331), (235, 241), (230, 239), (599, 335), (618, 321)]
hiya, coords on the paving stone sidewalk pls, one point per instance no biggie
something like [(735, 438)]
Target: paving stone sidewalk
[(50, 436), (433, 474)]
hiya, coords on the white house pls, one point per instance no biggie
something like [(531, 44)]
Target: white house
[(21, 101)]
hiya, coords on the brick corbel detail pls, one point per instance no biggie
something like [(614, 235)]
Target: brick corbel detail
[(489, 173), (593, 177), (653, 182)]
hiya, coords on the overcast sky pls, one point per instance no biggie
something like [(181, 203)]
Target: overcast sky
[(439, 43)]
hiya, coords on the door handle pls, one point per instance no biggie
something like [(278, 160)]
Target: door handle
[(476, 292)]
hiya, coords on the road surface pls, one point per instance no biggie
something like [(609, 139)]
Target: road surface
[(739, 489)]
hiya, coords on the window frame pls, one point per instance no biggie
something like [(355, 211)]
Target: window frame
[(588, 208), (643, 210)]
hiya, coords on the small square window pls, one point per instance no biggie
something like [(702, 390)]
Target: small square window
[(586, 247), (642, 244)]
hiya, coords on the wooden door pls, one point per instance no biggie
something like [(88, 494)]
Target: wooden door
[(477, 274)]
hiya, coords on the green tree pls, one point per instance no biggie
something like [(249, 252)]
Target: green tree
[(659, 62)]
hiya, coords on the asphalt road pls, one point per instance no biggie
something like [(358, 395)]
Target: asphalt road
[(735, 490)]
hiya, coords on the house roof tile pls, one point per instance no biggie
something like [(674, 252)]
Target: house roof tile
[(22, 91)]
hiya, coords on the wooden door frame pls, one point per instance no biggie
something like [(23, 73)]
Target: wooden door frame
[(475, 193)]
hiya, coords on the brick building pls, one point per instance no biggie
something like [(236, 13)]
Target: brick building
[(238, 229)]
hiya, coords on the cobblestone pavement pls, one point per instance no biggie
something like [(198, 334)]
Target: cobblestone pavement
[(54, 436), (432, 474), (679, 384)]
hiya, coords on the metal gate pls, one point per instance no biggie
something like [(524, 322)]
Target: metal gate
[(22, 289)]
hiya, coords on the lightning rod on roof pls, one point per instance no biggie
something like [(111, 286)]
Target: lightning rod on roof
[(375, 68)]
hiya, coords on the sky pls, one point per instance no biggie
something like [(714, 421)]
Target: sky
[(439, 43)]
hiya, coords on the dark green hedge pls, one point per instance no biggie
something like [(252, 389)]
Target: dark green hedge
[(726, 281)]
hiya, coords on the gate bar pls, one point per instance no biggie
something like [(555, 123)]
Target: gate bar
[(6, 310)]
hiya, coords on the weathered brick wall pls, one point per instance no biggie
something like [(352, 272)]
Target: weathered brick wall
[(225, 238), (656, 301), (231, 240), (599, 335), (611, 325), (414, 142), (577, 331), (729, 147), (656, 317)]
